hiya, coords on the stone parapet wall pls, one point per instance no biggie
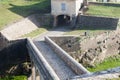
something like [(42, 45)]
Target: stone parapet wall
[(75, 66), (41, 63), (94, 22), (109, 74)]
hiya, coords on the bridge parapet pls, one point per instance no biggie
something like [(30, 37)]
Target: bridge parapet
[(75, 66), (42, 65)]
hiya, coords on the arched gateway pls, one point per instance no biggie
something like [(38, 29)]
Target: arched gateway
[(65, 11), (63, 20)]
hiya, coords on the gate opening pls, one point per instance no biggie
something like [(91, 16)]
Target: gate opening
[(63, 20)]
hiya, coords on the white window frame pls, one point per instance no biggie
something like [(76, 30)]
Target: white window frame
[(63, 6)]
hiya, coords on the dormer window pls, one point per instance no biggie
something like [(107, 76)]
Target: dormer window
[(63, 6)]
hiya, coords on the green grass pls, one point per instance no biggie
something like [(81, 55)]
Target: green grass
[(14, 10), (100, 10), (35, 32), (110, 62), (22, 77)]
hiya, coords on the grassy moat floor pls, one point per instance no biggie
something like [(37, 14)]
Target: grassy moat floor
[(107, 11), (13, 10)]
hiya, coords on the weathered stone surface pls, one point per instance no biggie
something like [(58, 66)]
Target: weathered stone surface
[(98, 23), (3, 42)]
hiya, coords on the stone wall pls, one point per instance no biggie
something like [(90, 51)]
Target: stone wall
[(72, 63), (68, 43), (97, 23), (3, 42), (44, 20), (14, 52)]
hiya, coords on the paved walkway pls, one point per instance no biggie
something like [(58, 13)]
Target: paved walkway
[(59, 66)]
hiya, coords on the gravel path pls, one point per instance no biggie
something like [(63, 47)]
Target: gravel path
[(59, 66)]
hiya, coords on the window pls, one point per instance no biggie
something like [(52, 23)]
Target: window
[(63, 7)]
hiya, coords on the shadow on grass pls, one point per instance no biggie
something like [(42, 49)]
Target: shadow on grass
[(33, 12), (42, 7)]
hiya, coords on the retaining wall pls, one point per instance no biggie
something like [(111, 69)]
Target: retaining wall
[(94, 23), (44, 20), (14, 52), (77, 67)]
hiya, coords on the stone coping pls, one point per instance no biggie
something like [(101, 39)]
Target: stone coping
[(101, 75), (72, 63)]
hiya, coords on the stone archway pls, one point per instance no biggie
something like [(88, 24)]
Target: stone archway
[(63, 20)]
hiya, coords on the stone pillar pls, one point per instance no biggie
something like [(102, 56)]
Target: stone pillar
[(33, 74), (38, 74), (55, 21), (73, 21)]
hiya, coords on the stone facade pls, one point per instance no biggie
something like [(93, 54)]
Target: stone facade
[(70, 7), (66, 8)]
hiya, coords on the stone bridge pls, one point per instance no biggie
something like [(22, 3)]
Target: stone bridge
[(51, 62)]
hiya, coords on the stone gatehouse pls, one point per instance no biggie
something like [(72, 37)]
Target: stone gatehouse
[(65, 11)]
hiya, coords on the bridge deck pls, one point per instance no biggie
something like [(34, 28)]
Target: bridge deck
[(59, 66)]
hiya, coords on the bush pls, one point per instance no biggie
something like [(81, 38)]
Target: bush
[(22, 77)]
